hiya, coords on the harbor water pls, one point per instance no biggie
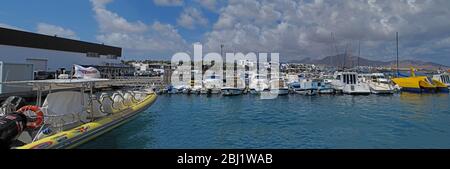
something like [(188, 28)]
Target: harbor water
[(402, 120)]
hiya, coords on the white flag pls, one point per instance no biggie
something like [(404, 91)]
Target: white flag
[(86, 73)]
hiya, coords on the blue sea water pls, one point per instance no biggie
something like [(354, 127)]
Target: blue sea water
[(342, 121)]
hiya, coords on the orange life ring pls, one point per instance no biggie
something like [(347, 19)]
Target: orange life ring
[(39, 116)]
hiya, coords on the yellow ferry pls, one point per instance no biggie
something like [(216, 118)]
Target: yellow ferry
[(419, 84)]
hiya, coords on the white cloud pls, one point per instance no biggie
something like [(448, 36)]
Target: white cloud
[(4, 25), (299, 29), (208, 4), (112, 22), (48, 29), (168, 2), (136, 38), (190, 17)]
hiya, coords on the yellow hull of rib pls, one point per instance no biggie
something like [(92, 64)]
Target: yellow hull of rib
[(83, 133)]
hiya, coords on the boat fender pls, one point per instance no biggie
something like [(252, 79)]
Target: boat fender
[(39, 116)]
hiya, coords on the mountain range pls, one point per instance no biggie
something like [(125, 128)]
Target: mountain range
[(351, 61)]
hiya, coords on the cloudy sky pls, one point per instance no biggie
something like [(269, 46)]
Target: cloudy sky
[(156, 29)]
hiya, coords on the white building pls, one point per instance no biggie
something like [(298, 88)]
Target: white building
[(139, 66), (49, 53)]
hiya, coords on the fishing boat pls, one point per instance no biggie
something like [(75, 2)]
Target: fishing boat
[(279, 87), (419, 84), (378, 83), (308, 87), (258, 84), (325, 86), (350, 83), (71, 115), (443, 78), (292, 82)]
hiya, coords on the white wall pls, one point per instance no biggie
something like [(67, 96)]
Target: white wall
[(55, 59)]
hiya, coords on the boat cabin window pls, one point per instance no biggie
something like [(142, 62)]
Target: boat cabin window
[(338, 77), (349, 78), (445, 78)]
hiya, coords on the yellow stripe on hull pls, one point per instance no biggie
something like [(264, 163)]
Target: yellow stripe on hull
[(86, 132)]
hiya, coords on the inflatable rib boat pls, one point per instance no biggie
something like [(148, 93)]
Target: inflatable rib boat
[(69, 117)]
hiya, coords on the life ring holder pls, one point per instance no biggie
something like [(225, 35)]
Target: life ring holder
[(39, 116)]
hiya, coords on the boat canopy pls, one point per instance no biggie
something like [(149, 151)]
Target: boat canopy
[(65, 82), (65, 102)]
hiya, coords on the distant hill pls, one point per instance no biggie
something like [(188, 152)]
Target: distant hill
[(351, 61)]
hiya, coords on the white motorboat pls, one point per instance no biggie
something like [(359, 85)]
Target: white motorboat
[(443, 78), (258, 84), (231, 91), (378, 83), (279, 87), (349, 83), (308, 87), (237, 87), (325, 87), (212, 84)]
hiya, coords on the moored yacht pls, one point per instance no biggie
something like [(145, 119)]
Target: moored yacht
[(443, 78), (279, 87), (325, 87), (236, 89), (378, 83), (212, 85), (308, 87), (350, 83), (258, 84)]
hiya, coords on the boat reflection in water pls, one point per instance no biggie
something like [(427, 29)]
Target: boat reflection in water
[(419, 104)]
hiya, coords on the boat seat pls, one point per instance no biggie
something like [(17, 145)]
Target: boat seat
[(118, 101), (106, 103), (133, 98), (129, 99), (97, 109), (139, 95)]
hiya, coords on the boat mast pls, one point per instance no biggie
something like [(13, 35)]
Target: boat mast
[(223, 65), (359, 52), (345, 57), (335, 46), (398, 73), (331, 56)]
